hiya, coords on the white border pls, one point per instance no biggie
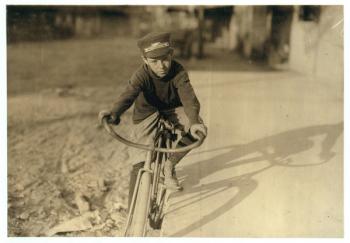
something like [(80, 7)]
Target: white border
[(176, 2), (3, 114), (3, 123), (346, 122)]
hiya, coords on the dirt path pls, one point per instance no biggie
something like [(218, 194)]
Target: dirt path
[(61, 161), (272, 164)]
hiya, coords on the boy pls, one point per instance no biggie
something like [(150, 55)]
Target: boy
[(160, 86)]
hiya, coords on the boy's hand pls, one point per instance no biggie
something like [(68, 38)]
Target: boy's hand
[(111, 118), (198, 128)]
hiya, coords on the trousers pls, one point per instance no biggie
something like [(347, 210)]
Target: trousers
[(144, 133)]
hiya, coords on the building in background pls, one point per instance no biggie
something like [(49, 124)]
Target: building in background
[(316, 41), (36, 23), (308, 39)]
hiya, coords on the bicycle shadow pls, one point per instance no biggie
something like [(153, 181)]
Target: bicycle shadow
[(276, 150)]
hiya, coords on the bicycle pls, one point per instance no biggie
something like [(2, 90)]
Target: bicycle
[(150, 193)]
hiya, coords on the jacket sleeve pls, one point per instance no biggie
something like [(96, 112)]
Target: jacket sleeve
[(128, 96), (188, 97)]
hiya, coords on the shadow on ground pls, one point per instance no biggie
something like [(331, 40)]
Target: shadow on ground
[(274, 149)]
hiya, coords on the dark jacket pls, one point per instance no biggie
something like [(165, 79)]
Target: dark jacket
[(152, 94)]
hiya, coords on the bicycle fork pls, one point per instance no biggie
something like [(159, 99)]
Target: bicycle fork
[(154, 180), (145, 169)]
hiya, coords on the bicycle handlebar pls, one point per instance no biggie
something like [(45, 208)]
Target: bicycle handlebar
[(150, 147)]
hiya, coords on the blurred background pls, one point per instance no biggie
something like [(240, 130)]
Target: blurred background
[(66, 63), (290, 37)]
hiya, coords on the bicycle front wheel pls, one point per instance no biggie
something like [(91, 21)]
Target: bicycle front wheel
[(140, 216)]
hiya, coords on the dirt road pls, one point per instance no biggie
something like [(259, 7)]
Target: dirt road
[(272, 164), (58, 157)]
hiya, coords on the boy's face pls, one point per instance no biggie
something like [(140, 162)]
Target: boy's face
[(160, 66)]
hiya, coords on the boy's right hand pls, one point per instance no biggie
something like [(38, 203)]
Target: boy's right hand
[(111, 118), (198, 128)]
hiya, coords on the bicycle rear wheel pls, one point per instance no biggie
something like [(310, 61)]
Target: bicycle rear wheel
[(139, 220)]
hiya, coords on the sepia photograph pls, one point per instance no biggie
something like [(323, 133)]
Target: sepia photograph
[(175, 120)]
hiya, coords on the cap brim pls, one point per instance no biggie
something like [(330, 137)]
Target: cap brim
[(158, 52)]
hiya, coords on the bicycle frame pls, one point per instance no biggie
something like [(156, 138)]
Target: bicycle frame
[(150, 176), (154, 173)]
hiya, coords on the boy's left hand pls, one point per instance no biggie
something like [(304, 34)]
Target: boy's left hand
[(195, 128)]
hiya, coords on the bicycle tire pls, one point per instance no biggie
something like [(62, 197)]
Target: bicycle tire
[(140, 216)]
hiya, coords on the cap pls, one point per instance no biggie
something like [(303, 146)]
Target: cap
[(155, 44)]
